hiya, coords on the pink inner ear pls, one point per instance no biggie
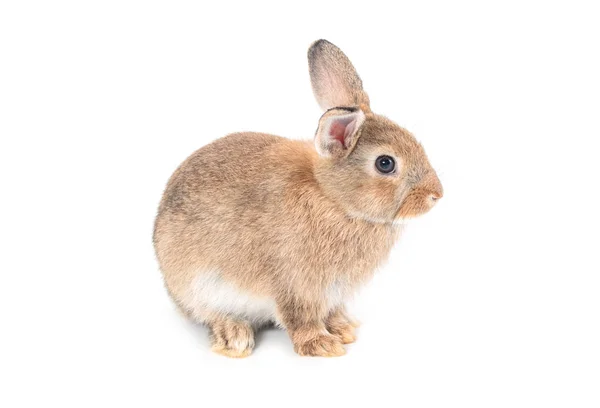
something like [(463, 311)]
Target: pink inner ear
[(341, 129)]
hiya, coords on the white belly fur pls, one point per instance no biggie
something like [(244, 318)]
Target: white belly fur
[(209, 291)]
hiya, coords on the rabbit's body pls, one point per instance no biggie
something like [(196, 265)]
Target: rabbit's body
[(255, 228), (258, 196)]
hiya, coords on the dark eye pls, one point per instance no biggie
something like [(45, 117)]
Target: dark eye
[(385, 164)]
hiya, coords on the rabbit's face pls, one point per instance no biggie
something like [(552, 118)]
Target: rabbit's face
[(370, 166), (385, 178)]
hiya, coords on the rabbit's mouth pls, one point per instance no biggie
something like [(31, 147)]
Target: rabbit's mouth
[(417, 203)]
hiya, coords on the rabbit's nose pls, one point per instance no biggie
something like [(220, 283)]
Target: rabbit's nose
[(436, 193), (431, 189)]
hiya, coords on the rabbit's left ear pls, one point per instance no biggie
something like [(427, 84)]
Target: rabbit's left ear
[(334, 80), (338, 131)]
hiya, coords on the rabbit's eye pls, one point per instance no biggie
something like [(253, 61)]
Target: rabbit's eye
[(385, 164)]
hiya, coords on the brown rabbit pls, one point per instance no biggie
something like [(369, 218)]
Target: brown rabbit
[(255, 229)]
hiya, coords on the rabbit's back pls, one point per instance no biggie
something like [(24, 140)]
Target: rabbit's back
[(227, 167)]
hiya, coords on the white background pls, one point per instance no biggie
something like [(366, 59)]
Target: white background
[(491, 300)]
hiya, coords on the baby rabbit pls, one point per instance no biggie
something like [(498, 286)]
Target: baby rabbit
[(256, 229)]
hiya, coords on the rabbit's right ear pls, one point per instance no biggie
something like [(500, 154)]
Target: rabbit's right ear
[(334, 80)]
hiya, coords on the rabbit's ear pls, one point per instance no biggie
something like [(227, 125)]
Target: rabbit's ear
[(334, 80), (338, 131)]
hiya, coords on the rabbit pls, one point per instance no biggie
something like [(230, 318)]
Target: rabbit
[(256, 229)]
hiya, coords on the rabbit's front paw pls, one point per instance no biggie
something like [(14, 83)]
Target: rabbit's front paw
[(344, 332), (342, 326), (324, 345)]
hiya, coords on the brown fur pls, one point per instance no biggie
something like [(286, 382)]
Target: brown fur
[(279, 221)]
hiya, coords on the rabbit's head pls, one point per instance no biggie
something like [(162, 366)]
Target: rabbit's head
[(370, 166)]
